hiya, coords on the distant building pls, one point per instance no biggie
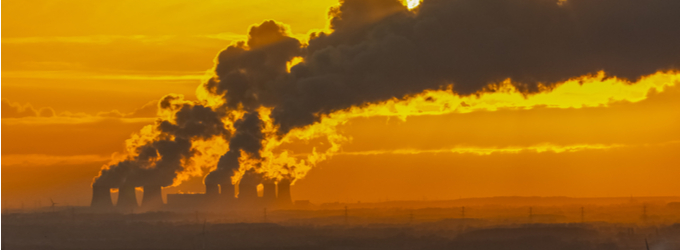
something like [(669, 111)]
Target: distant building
[(304, 204)]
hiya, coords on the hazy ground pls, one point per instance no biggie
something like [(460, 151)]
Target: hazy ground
[(486, 224)]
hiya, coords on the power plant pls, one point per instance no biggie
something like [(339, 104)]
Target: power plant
[(101, 197), (275, 194), (127, 200)]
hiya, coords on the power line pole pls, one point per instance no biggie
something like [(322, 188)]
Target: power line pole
[(646, 244)]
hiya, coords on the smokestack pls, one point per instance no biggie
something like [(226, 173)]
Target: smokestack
[(101, 197), (126, 197), (283, 198), (269, 192), (152, 198), (212, 190)]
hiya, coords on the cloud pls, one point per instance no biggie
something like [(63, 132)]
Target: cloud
[(539, 148), (27, 114), (33, 160), (16, 110), (148, 110), (100, 39), (93, 75)]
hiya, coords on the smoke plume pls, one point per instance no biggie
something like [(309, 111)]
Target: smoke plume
[(165, 148), (471, 44), (379, 51)]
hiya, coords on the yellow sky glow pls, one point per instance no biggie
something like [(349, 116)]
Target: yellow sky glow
[(102, 66)]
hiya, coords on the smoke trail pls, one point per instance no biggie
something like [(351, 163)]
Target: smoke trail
[(245, 142), (471, 44), (380, 52), (161, 151)]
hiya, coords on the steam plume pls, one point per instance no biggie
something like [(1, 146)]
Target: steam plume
[(165, 148), (381, 51)]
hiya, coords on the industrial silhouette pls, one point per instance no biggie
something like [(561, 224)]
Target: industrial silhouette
[(223, 196)]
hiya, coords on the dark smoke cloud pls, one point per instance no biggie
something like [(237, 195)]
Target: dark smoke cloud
[(379, 50), (191, 121), (247, 138), (471, 43), (246, 72), (159, 161)]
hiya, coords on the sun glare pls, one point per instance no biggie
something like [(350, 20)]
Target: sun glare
[(412, 3)]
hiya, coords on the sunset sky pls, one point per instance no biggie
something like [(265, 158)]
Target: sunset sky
[(79, 78)]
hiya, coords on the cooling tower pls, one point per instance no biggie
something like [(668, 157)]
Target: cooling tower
[(101, 197), (247, 192), (227, 191), (283, 198), (152, 198), (126, 198), (247, 188), (212, 190), (269, 192)]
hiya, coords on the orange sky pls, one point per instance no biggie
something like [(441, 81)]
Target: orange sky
[(100, 67)]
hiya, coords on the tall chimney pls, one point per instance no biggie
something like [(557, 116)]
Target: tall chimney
[(269, 192), (101, 197), (283, 198), (152, 198), (126, 197)]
